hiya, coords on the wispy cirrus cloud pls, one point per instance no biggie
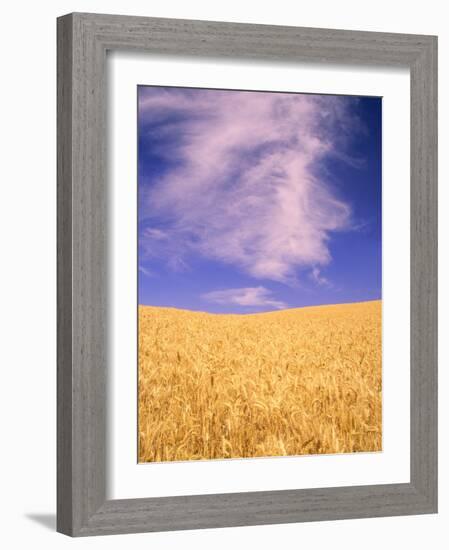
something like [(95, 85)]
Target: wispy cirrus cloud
[(248, 297), (147, 272), (243, 180), (318, 278)]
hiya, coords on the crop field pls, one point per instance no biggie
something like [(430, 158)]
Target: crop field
[(289, 382)]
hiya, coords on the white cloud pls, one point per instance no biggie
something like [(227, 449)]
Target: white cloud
[(147, 272), (155, 234), (246, 186), (318, 278), (252, 296)]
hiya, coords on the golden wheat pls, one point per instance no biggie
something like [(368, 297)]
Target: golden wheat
[(291, 382)]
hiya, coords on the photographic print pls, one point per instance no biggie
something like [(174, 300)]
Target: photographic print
[(259, 274)]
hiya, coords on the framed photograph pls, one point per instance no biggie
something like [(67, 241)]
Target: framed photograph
[(247, 274)]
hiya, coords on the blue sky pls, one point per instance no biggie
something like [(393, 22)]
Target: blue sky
[(256, 201)]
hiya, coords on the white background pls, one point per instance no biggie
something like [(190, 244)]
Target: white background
[(27, 300), (131, 480)]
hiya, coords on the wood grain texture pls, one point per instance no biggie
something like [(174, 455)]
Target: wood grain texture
[(83, 40), (64, 277), (424, 292)]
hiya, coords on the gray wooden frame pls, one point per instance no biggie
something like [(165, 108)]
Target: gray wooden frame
[(83, 40)]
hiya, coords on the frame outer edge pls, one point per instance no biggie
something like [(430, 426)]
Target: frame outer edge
[(89, 272), (82, 282), (64, 274), (424, 275)]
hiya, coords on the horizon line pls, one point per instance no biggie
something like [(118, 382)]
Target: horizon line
[(262, 312)]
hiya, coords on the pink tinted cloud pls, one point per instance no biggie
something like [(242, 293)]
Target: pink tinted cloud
[(249, 297), (246, 188)]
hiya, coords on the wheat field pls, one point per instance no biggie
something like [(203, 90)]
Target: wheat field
[(290, 382)]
